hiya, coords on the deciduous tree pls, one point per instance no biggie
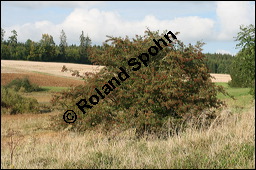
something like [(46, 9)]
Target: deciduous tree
[(13, 38), (2, 35), (47, 48), (243, 67), (85, 43)]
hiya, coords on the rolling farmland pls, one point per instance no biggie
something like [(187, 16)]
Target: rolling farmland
[(49, 73), (43, 73)]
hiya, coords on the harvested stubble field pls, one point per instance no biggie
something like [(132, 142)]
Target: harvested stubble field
[(41, 79), (49, 73), (43, 73), (221, 78)]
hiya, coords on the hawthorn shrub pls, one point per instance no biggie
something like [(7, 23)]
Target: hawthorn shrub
[(175, 87)]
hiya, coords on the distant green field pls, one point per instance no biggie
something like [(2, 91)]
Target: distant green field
[(53, 89), (236, 92), (241, 95)]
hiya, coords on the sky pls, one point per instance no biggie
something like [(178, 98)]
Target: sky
[(215, 23)]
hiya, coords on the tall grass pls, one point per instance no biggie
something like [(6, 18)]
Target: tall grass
[(228, 143)]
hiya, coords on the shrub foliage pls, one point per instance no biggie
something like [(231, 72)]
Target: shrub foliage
[(175, 86), (23, 85), (13, 103)]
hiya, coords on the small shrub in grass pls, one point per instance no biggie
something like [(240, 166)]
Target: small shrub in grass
[(13, 103), (23, 85)]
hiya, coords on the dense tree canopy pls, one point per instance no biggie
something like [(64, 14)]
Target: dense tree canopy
[(219, 63)]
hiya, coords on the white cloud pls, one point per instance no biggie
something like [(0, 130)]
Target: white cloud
[(98, 24), (63, 4), (193, 28), (33, 31), (232, 15)]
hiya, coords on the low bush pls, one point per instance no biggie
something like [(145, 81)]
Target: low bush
[(23, 85), (13, 103)]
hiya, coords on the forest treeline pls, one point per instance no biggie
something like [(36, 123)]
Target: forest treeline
[(219, 63), (47, 50)]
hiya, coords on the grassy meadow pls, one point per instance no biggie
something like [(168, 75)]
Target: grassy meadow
[(29, 141)]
